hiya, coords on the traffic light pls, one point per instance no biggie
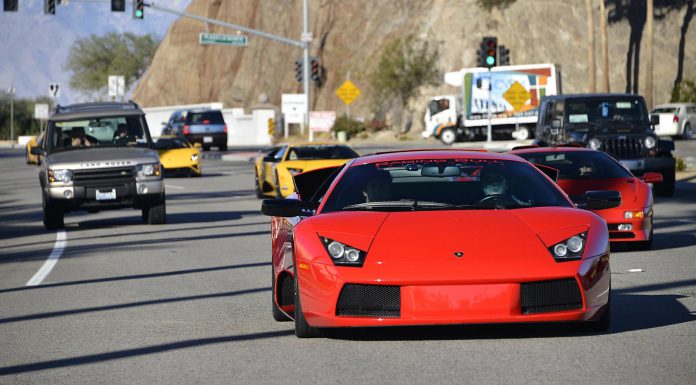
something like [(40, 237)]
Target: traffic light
[(10, 5), (299, 70), (118, 5), (489, 51), (503, 55), (138, 9), (316, 71), (49, 7)]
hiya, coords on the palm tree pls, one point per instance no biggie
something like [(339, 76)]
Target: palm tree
[(591, 67)]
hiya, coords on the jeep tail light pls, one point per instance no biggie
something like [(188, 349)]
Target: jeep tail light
[(186, 129), (675, 119), (225, 128), (206, 121)]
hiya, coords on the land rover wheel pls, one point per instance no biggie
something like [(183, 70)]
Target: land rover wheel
[(52, 216), (448, 136), (666, 187), (156, 214)]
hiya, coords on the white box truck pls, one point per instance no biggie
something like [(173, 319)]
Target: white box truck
[(516, 93)]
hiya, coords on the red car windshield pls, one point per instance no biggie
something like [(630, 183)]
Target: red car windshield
[(579, 164), (443, 184)]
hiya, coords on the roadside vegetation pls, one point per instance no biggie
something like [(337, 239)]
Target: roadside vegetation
[(24, 122)]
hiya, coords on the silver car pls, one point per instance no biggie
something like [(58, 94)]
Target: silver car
[(676, 119), (99, 156)]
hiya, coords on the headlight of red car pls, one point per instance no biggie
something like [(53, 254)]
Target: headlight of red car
[(342, 254), (570, 249)]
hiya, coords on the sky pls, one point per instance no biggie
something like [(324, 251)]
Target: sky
[(34, 47)]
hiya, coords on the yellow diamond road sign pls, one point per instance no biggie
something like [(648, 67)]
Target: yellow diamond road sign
[(517, 96), (348, 92)]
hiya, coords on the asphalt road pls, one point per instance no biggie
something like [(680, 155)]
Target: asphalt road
[(189, 302)]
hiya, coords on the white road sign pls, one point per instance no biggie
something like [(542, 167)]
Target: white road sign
[(117, 85), (54, 90), (322, 121), (41, 111), (293, 107)]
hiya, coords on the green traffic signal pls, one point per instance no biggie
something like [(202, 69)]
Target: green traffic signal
[(490, 60), (139, 14)]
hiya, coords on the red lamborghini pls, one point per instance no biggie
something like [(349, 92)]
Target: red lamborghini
[(437, 237), (583, 169)]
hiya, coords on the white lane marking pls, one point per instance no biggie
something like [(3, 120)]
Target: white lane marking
[(635, 270), (174, 187), (61, 243)]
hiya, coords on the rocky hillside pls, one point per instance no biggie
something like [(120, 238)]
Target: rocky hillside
[(349, 36)]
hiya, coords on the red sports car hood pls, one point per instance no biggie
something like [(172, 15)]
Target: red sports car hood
[(491, 240), (628, 187)]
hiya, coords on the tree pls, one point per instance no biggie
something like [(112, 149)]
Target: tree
[(591, 63), (24, 122), (404, 66), (684, 92), (490, 4), (94, 58), (604, 46), (649, 65)]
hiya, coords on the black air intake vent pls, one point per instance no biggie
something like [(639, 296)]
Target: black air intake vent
[(550, 296), (369, 301)]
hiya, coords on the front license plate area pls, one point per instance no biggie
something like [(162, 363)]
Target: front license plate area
[(105, 195), (207, 139)]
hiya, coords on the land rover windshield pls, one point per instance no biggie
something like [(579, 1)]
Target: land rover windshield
[(115, 131)]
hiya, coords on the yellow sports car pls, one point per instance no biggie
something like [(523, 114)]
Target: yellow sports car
[(178, 156), (275, 167), (35, 141)]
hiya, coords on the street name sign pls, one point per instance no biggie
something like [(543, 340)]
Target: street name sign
[(222, 39)]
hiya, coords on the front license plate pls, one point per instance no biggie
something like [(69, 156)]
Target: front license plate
[(207, 139), (634, 164), (105, 195)]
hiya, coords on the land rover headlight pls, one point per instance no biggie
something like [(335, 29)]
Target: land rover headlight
[(147, 169), (650, 142), (63, 176)]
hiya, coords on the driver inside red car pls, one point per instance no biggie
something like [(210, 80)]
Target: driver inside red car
[(495, 186)]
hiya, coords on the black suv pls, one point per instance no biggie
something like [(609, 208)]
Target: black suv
[(206, 127), (617, 124)]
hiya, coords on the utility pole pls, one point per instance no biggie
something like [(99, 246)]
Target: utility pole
[(306, 39)]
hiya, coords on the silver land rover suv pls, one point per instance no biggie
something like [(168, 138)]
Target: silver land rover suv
[(99, 156)]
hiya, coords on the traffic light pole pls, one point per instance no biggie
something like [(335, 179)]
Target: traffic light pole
[(304, 44), (489, 133)]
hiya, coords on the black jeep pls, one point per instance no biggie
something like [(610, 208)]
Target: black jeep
[(617, 124)]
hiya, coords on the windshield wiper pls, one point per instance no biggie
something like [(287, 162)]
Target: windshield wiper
[(405, 204)]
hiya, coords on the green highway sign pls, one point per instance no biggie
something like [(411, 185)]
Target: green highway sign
[(217, 38)]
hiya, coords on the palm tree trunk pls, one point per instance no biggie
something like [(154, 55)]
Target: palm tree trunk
[(604, 46), (649, 54), (591, 65)]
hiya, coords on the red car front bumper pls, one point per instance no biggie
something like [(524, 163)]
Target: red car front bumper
[(418, 299)]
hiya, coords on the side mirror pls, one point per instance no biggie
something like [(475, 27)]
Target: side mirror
[(654, 119), (36, 150), (288, 208), (652, 177), (598, 200)]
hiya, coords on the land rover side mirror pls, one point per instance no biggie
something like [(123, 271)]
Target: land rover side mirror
[(598, 200), (654, 119)]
